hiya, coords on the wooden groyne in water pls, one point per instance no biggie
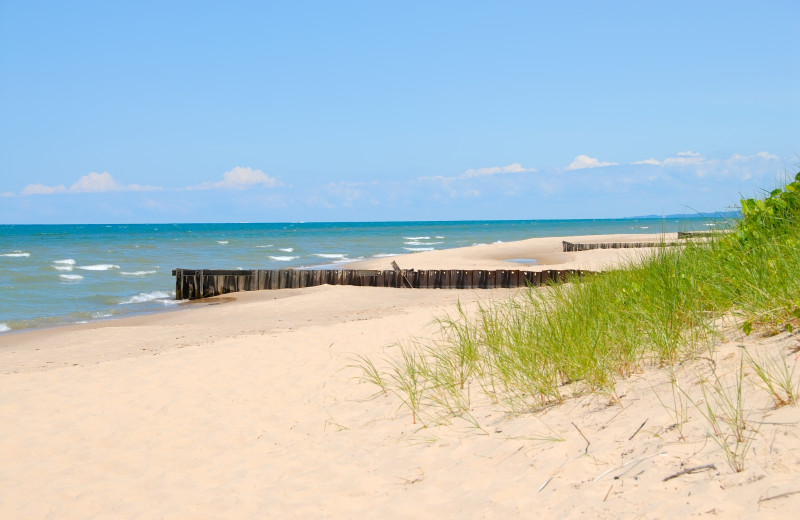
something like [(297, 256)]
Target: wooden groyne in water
[(193, 284), (570, 247)]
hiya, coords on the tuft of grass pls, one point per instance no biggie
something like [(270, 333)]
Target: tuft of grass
[(678, 409), (776, 377), (724, 410)]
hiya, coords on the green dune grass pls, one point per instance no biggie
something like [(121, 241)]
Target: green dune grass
[(551, 343)]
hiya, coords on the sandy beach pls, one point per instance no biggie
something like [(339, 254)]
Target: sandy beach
[(250, 406)]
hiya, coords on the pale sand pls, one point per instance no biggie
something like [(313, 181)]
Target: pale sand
[(247, 407)]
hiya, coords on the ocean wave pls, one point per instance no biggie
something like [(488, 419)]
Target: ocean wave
[(62, 267), (17, 254), (4, 327), (417, 238), (418, 243), (438, 236), (160, 296), (98, 267), (223, 242), (66, 261), (137, 273), (419, 248), (284, 258), (70, 277), (330, 255), (286, 249), (384, 255), (265, 246)]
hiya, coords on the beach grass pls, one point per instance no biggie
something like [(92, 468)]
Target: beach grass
[(551, 343)]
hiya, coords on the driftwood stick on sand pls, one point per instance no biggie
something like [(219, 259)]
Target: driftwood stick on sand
[(686, 471), (586, 450), (638, 429), (603, 474), (782, 495)]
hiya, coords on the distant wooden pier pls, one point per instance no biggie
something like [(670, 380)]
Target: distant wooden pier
[(193, 284)]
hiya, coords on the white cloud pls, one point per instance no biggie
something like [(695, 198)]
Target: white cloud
[(760, 155), (648, 161), (680, 159), (42, 189), (584, 161), (478, 172), (8, 194), (240, 178), (494, 170), (95, 183), (90, 183)]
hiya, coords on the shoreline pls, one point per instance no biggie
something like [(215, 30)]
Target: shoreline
[(545, 250)]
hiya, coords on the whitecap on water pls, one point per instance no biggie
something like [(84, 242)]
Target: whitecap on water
[(284, 258), (384, 255), (98, 267), (17, 254), (62, 267), (159, 296), (418, 243), (417, 238), (66, 261), (4, 327), (70, 277), (286, 249), (223, 242), (330, 255), (137, 273), (418, 248)]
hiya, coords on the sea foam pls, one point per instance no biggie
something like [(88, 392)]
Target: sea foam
[(137, 273), (66, 261), (161, 296), (330, 255), (418, 248), (98, 267), (4, 327), (70, 277), (286, 249), (284, 258), (17, 254)]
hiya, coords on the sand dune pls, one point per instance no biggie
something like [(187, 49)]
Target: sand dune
[(248, 406)]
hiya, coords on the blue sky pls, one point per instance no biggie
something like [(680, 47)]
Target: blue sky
[(338, 111)]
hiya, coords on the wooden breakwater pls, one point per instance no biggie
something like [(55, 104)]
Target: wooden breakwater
[(569, 247), (193, 284)]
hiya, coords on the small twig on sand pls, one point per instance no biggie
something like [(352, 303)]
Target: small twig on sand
[(638, 429), (545, 484), (603, 474), (586, 450), (782, 495), (608, 492), (686, 471)]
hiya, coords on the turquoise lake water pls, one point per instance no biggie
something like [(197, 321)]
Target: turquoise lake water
[(58, 274)]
